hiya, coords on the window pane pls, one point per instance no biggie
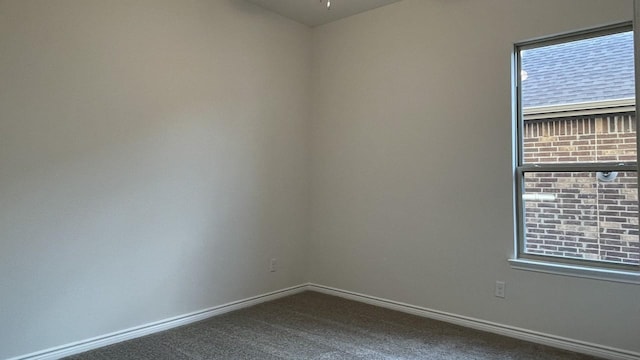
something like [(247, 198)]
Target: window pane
[(584, 215), (578, 101), (608, 138)]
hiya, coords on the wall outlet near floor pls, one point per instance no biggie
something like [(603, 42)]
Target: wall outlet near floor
[(500, 287), (273, 264)]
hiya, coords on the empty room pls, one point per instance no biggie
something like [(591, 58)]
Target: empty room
[(305, 179)]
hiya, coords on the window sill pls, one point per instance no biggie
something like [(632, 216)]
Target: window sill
[(629, 277)]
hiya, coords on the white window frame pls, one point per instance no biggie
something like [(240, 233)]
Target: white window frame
[(552, 264)]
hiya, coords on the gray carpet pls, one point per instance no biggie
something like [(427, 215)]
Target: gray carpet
[(311, 325)]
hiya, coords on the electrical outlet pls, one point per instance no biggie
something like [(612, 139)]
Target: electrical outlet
[(500, 287), (273, 264)]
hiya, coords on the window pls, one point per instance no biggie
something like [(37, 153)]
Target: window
[(576, 171)]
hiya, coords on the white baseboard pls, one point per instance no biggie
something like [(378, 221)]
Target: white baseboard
[(510, 331), (147, 329)]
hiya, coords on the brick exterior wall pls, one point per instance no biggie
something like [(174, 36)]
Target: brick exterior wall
[(589, 218)]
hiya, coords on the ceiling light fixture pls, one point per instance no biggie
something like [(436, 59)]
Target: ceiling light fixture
[(328, 4)]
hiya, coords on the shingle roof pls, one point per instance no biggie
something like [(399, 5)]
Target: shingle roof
[(600, 68)]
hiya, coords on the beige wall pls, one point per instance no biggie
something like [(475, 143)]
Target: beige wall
[(153, 157), (412, 172)]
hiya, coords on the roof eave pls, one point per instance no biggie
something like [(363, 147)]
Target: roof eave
[(580, 109)]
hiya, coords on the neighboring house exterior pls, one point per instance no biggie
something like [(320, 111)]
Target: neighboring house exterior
[(578, 103)]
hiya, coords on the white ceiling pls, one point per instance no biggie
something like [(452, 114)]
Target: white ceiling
[(313, 12)]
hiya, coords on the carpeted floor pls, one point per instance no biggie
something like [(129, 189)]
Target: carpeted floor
[(311, 325)]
